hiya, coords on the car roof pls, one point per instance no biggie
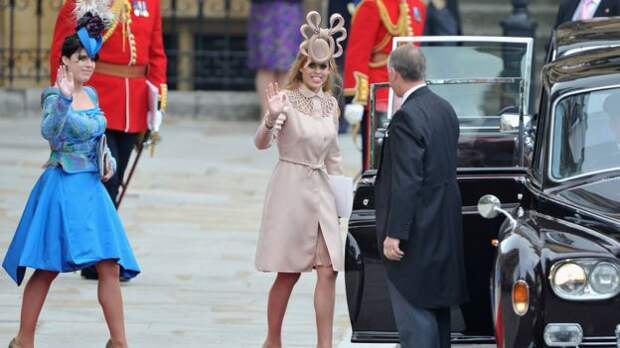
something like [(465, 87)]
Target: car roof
[(595, 68), (573, 37)]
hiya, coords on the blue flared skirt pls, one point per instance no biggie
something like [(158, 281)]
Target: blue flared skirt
[(69, 223)]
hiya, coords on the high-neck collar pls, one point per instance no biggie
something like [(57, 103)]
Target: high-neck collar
[(306, 92)]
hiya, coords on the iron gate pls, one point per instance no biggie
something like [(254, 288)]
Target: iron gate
[(216, 59)]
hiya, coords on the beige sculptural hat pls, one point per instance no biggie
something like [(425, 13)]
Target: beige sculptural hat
[(319, 44)]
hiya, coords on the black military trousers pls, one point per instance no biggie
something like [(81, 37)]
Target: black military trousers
[(121, 144)]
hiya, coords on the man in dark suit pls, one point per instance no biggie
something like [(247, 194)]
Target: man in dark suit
[(419, 207), (574, 10)]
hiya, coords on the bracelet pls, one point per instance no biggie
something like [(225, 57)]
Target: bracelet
[(66, 99)]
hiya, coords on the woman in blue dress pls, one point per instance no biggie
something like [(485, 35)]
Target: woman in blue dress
[(69, 221)]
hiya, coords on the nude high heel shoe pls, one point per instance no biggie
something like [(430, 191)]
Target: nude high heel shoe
[(14, 344)]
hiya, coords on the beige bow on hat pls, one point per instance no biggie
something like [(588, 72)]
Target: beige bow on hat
[(319, 44)]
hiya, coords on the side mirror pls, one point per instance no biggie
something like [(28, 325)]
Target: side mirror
[(488, 205), (509, 123)]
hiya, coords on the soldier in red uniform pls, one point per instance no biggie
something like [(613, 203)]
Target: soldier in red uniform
[(132, 54), (374, 24)]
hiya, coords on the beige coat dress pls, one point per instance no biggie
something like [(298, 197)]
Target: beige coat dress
[(299, 205)]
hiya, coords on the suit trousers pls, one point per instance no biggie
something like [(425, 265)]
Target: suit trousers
[(419, 327)]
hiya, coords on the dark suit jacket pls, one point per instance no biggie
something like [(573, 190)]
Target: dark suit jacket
[(418, 201), (606, 8)]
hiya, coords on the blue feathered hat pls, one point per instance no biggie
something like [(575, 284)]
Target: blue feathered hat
[(93, 16)]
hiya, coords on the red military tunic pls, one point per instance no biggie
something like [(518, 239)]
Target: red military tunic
[(135, 44), (374, 24)]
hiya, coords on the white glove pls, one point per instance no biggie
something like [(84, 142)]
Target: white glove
[(353, 113), (154, 119)]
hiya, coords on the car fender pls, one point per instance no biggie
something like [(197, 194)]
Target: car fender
[(518, 258)]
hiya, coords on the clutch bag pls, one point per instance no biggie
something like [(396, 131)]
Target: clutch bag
[(102, 155), (342, 189)]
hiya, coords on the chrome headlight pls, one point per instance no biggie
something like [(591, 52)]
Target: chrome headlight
[(605, 278), (585, 279), (570, 278)]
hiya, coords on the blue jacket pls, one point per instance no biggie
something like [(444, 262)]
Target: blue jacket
[(72, 134)]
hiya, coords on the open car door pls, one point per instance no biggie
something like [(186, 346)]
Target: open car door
[(487, 81)]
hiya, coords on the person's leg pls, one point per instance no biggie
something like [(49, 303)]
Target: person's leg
[(276, 308), (417, 327), (111, 300), (263, 79), (121, 144), (324, 300), (34, 296), (443, 323)]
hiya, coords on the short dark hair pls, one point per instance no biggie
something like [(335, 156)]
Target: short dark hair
[(409, 62), (71, 45)]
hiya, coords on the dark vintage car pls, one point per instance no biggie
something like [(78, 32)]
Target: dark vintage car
[(541, 200), (579, 36)]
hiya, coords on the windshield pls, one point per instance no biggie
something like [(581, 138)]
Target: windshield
[(586, 134), (482, 78)]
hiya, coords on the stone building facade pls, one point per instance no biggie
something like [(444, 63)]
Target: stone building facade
[(202, 37)]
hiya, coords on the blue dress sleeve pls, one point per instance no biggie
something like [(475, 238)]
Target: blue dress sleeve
[(55, 111)]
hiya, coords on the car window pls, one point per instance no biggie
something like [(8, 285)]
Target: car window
[(586, 134), (467, 76)]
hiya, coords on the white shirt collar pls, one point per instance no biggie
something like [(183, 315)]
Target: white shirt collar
[(411, 90)]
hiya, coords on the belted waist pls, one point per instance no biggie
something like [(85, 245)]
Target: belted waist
[(120, 70), (313, 166), (75, 147)]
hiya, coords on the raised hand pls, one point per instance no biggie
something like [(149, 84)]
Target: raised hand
[(65, 81), (275, 101)]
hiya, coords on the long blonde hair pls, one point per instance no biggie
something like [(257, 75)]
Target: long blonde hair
[(295, 78)]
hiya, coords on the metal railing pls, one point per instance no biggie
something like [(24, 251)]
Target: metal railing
[(214, 60)]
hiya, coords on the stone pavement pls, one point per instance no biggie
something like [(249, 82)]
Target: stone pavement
[(192, 215)]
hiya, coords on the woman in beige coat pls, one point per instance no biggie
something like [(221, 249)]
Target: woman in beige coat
[(299, 230)]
